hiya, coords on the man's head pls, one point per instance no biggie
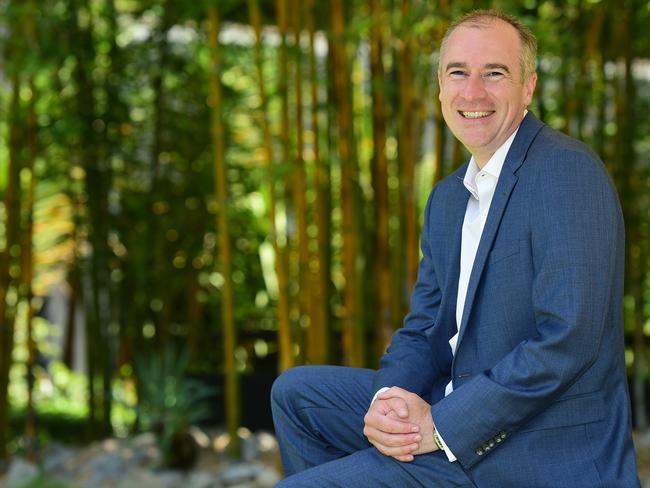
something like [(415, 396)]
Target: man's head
[(483, 18), (487, 79)]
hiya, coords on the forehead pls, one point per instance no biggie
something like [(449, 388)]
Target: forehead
[(486, 43)]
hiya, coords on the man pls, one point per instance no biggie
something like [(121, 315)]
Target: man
[(509, 370)]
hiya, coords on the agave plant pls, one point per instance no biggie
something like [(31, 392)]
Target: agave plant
[(170, 403)]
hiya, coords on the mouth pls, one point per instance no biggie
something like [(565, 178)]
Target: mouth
[(475, 115)]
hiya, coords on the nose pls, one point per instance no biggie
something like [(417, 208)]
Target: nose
[(474, 88)]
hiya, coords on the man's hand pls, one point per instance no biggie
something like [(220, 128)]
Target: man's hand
[(396, 411), (388, 429)]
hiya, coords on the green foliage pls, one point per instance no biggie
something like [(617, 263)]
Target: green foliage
[(169, 401), (43, 480)]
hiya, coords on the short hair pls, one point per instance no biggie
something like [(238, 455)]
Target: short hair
[(483, 18)]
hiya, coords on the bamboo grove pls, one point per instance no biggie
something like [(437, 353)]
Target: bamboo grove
[(245, 178)]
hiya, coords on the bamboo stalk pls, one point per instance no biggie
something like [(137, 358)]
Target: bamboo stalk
[(318, 339), (284, 327), (353, 330), (407, 149), (232, 394), (300, 190), (383, 283), (7, 312)]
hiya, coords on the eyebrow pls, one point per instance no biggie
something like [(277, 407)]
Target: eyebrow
[(498, 66), (458, 64)]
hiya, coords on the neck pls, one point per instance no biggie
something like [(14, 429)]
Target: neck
[(481, 159)]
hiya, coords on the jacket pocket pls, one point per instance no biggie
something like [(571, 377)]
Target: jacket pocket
[(504, 250)]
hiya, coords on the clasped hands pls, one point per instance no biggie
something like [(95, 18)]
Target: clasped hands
[(399, 424)]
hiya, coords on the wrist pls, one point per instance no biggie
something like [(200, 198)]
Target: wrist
[(437, 440)]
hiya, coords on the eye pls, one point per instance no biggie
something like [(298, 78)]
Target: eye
[(493, 75), (457, 74)]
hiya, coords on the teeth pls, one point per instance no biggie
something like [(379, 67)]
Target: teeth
[(475, 115)]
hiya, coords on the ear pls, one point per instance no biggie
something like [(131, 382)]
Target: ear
[(529, 86), (439, 86)]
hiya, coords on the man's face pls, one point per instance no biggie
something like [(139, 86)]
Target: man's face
[(482, 93)]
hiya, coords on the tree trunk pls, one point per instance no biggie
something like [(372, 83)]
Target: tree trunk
[(318, 340), (384, 288), (285, 344), (626, 176), (96, 273), (407, 153), (300, 178), (28, 275), (7, 259), (353, 327), (232, 398), (157, 268), (440, 127)]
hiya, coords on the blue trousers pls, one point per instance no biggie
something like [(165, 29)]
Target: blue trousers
[(318, 415)]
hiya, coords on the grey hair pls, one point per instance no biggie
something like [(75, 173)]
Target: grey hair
[(483, 18)]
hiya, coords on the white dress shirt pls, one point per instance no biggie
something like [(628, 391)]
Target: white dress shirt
[(481, 184)]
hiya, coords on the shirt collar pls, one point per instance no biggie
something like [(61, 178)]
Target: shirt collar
[(493, 166)]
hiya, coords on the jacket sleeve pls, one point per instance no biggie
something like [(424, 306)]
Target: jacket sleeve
[(576, 244), (408, 362)]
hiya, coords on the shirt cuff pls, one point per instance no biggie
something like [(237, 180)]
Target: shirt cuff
[(450, 455), (381, 390)]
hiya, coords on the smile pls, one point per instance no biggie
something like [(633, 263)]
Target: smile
[(475, 115)]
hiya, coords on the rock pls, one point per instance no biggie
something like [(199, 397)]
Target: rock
[(138, 477), (135, 463), (169, 479), (240, 473), (249, 449), (267, 478), (56, 456), (201, 479), (20, 473)]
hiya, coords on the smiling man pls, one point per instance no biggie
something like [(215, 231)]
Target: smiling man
[(509, 370)]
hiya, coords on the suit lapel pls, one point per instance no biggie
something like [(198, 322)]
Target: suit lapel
[(458, 204), (528, 129)]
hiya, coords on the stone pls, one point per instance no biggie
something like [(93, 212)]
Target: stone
[(267, 478), (135, 462), (239, 473), (20, 473), (202, 479), (56, 456), (140, 478)]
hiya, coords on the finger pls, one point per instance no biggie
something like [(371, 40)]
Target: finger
[(406, 458), (396, 399), (394, 392), (391, 440), (399, 406), (403, 451), (389, 424)]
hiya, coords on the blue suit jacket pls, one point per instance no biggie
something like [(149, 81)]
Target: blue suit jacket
[(540, 394)]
